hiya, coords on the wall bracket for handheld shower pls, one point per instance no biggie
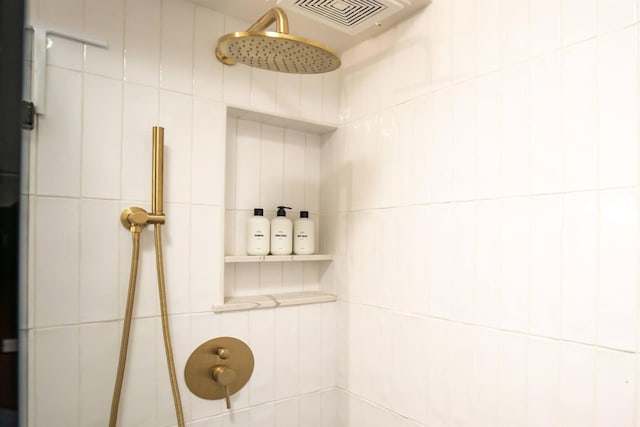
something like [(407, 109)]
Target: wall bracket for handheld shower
[(139, 218)]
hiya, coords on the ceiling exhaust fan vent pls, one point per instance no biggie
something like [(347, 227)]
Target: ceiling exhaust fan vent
[(350, 16), (347, 13)]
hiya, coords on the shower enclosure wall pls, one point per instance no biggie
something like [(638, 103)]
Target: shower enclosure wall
[(482, 189)]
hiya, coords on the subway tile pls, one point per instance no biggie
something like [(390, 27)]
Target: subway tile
[(329, 352), (284, 175), (288, 92), (263, 89), (139, 116), (437, 378), (207, 157), (264, 415), (376, 332), (331, 97), (386, 159), (98, 344), (207, 70), (464, 39), (57, 251), (579, 267), (464, 141), (618, 108), (440, 250), (615, 383), (205, 273), (515, 271), (514, 357), (486, 371), (57, 352), (487, 263), (516, 30), (579, 116), (422, 141), (461, 374), (60, 135), (101, 137), (546, 122), (413, 297), (287, 413), (261, 340), (176, 116), (578, 20), (402, 89), (546, 266), (440, 157), (379, 269), (247, 277), (618, 270), (64, 53), (615, 14), (488, 35), (577, 376), (287, 332), (488, 136), (176, 46), (105, 20), (60, 14), (442, 44), (464, 251), (99, 249), (543, 376), (247, 164), (142, 31), (545, 26), (516, 125), (408, 384), (311, 97), (312, 165), (309, 348), (310, 410)]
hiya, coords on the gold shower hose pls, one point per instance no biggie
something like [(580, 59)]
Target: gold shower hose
[(135, 219)]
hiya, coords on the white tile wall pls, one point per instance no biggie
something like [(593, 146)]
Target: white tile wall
[(91, 157), (519, 303)]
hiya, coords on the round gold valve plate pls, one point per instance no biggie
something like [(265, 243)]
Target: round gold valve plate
[(216, 362)]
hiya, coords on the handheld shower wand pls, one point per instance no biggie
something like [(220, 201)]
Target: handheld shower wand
[(135, 219)]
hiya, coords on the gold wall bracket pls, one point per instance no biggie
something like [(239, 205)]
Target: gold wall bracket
[(219, 368)]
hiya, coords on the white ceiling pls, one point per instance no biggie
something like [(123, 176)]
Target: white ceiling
[(251, 10)]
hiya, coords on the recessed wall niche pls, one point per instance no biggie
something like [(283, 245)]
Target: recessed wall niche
[(271, 161)]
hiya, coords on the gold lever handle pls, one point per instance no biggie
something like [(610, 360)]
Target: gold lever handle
[(223, 353), (224, 376)]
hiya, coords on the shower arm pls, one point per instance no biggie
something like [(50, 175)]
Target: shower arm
[(276, 15)]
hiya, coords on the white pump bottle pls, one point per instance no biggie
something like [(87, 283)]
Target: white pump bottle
[(281, 233)]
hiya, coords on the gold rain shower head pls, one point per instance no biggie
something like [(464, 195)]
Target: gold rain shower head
[(276, 51)]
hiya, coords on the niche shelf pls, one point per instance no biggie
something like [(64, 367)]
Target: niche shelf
[(272, 159)]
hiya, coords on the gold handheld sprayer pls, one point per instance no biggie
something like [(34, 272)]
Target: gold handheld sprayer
[(135, 219)]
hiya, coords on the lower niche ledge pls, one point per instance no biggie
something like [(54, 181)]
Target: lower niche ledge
[(253, 302)]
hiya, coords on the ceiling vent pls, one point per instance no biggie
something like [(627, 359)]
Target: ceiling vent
[(353, 16)]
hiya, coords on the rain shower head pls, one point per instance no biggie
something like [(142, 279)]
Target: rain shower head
[(276, 51)]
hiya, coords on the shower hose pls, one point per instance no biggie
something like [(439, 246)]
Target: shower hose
[(136, 219)]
